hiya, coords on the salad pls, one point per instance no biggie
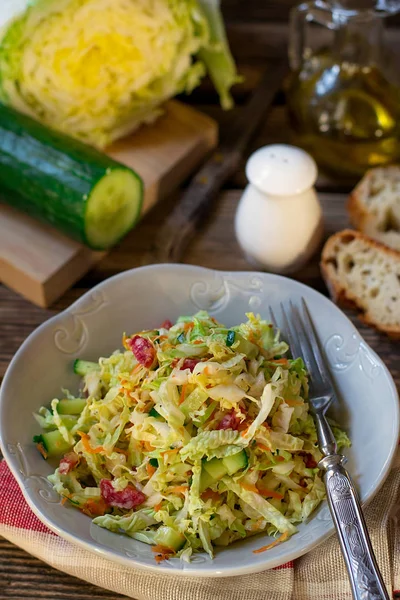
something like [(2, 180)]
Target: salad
[(194, 435)]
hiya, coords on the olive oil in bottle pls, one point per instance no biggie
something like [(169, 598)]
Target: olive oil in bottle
[(343, 100), (347, 117)]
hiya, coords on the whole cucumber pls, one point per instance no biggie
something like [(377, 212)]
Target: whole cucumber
[(61, 181)]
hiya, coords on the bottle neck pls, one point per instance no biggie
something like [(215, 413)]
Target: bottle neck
[(358, 39)]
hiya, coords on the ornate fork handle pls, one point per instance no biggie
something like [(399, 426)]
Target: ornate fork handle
[(365, 578)]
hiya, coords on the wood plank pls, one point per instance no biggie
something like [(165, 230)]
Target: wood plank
[(41, 263)]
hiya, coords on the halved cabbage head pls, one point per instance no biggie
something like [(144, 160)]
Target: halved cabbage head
[(96, 69)]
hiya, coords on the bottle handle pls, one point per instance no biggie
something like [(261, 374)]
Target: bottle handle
[(316, 11)]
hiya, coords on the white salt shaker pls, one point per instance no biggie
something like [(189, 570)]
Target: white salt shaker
[(279, 219)]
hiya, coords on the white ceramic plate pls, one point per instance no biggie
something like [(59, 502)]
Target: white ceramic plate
[(143, 298)]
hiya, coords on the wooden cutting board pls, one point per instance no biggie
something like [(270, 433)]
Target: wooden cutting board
[(41, 263)]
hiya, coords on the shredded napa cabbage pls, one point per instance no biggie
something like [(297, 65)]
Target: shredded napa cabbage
[(192, 436)]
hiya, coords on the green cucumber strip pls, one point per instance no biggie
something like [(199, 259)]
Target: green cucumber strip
[(235, 462), (83, 367), (201, 420), (205, 480), (71, 406), (215, 468), (69, 421), (194, 401), (169, 538), (245, 347), (53, 443), (230, 338)]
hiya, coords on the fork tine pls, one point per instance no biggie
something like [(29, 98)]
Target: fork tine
[(291, 339), (284, 328), (272, 317), (302, 340), (314, 343)]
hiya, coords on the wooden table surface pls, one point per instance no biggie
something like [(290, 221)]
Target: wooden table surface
[(258, 34)]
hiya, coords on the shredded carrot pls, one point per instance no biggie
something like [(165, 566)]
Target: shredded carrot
[(263, 447), (244, 432), (162, 337), (150, 470), (42, 450), (172, 451), (210, 495), (158, 506), (86, 444), (279, 540), (279, 458), (136, 369), (148, 446), (178, 489), (162, 549), (250, 488), (64, 500), (294, 402), (187, 327), (120, 451), (162, 553), (95, 508), (270, 494), (280, 361), (243, 426), (160, 557), (198, 342), (257, 525), (183, 393)]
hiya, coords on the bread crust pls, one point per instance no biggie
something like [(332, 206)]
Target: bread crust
[(360, 216), (340, 292)]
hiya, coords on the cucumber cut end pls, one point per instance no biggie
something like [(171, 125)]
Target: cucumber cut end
[(113, 208), (83, 367)]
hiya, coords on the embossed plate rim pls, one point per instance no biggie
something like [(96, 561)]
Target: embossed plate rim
[(208, 569)]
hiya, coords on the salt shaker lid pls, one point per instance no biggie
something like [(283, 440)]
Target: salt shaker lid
[(281, 170)]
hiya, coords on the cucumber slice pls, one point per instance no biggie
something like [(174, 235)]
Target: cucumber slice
[(205, 480), (71, 407), (235, 462), (112, 209), (69, 421), (245, 347), (169, 538), (83, 367), (215, 468), (53, 443), (194, 401)]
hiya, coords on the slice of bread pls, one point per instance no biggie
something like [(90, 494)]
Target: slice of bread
[(365, 275), (374, 205)]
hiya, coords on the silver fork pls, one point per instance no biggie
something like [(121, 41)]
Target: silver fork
[(365, 578)]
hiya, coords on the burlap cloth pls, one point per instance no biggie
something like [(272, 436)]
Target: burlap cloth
[(318, 575)]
